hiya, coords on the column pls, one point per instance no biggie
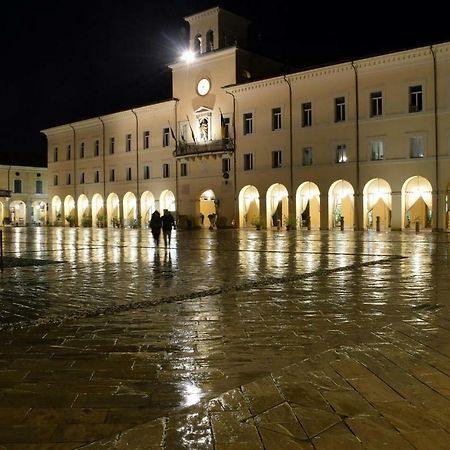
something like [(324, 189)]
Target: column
[(397, 216), (324, 212)]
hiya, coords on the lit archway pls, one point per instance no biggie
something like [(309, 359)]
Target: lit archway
[(277, 205), (147, 207), (167, 201), (38, 213), (207, 209), (377, 204), (341, 204), (84, 212), (249, 212), (418, 201), (18, 211), (129, 210), (98, 211), (69, 210), (113, 210), (2, 213), (308, 205), (56, 213)]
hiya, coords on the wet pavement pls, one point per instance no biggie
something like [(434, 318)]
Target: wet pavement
[(229, 339)]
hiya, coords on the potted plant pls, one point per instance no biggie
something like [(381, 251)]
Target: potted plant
[(256, 221), (290, 222), (71, 220), (101, 220)]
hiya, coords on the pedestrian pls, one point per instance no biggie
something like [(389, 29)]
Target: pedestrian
[(168, 222), (155, 226)]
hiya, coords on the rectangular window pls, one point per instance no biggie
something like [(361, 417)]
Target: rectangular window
[(82, 150), (69, 178), (341, 153), (166, 138), (417, 147), (339, 109), (306, 114), (248, 161), (146, 172), (248, 123), (69, 152), (376, 104), (226, 165), (183, 169), (128, 143), (415, 99), (97, 177), (112, 175), (112, 145), (307, 156), (17, 186), (39, 187), (97, 148), (376, 150), (146, 138), (128, 174), (226, 125), (276, 159), (55, 180), (166, 170), (82, 178), (276, 119), (55, 154)]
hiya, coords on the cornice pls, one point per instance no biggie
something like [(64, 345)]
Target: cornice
[(30, 168), (202, 14)]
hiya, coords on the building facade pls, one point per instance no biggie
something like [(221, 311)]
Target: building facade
[(23, 195), (357, 145)]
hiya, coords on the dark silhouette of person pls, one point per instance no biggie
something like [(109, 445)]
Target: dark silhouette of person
[(168, 222), (155, 226)]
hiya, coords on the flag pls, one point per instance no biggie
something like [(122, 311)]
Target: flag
[(172, 133), (222, 124), (192, 131)]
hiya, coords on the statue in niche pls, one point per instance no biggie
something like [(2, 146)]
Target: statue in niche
[(204, 128)]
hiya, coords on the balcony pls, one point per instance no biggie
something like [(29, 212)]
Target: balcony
[(204, 148)]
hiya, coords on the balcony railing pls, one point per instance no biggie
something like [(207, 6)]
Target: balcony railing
[(202, 148)]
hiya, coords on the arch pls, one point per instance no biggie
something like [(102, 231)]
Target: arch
[(418, 201), (113, 210), (38, 212), (69, 210), (56, 212), (277, 205), (377, 202), (2, 213), (197, 43), (148, 206), (129, 210), (84, 211), (308, 205), (167, 201), (209, 40), (18, 211), (249, 209), (98, 211), (341, 204), (208, 209)]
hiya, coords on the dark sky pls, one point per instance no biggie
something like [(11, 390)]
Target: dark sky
[(64, 61)]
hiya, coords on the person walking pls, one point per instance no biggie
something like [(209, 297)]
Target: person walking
[(168, 222), (155, 226)]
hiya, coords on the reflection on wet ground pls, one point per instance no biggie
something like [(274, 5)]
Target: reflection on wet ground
[(120, 332)]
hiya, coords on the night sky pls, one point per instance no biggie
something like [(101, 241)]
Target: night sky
[(64, 61)]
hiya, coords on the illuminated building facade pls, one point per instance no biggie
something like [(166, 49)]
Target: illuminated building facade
[(23, 195), (358, 145)]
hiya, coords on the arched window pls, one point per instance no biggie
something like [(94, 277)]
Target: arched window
[(210, 41), (198, 43)]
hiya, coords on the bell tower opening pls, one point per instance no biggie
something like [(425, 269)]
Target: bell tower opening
[(215, 29)]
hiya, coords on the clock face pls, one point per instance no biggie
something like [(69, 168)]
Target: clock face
[(203, 86)]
